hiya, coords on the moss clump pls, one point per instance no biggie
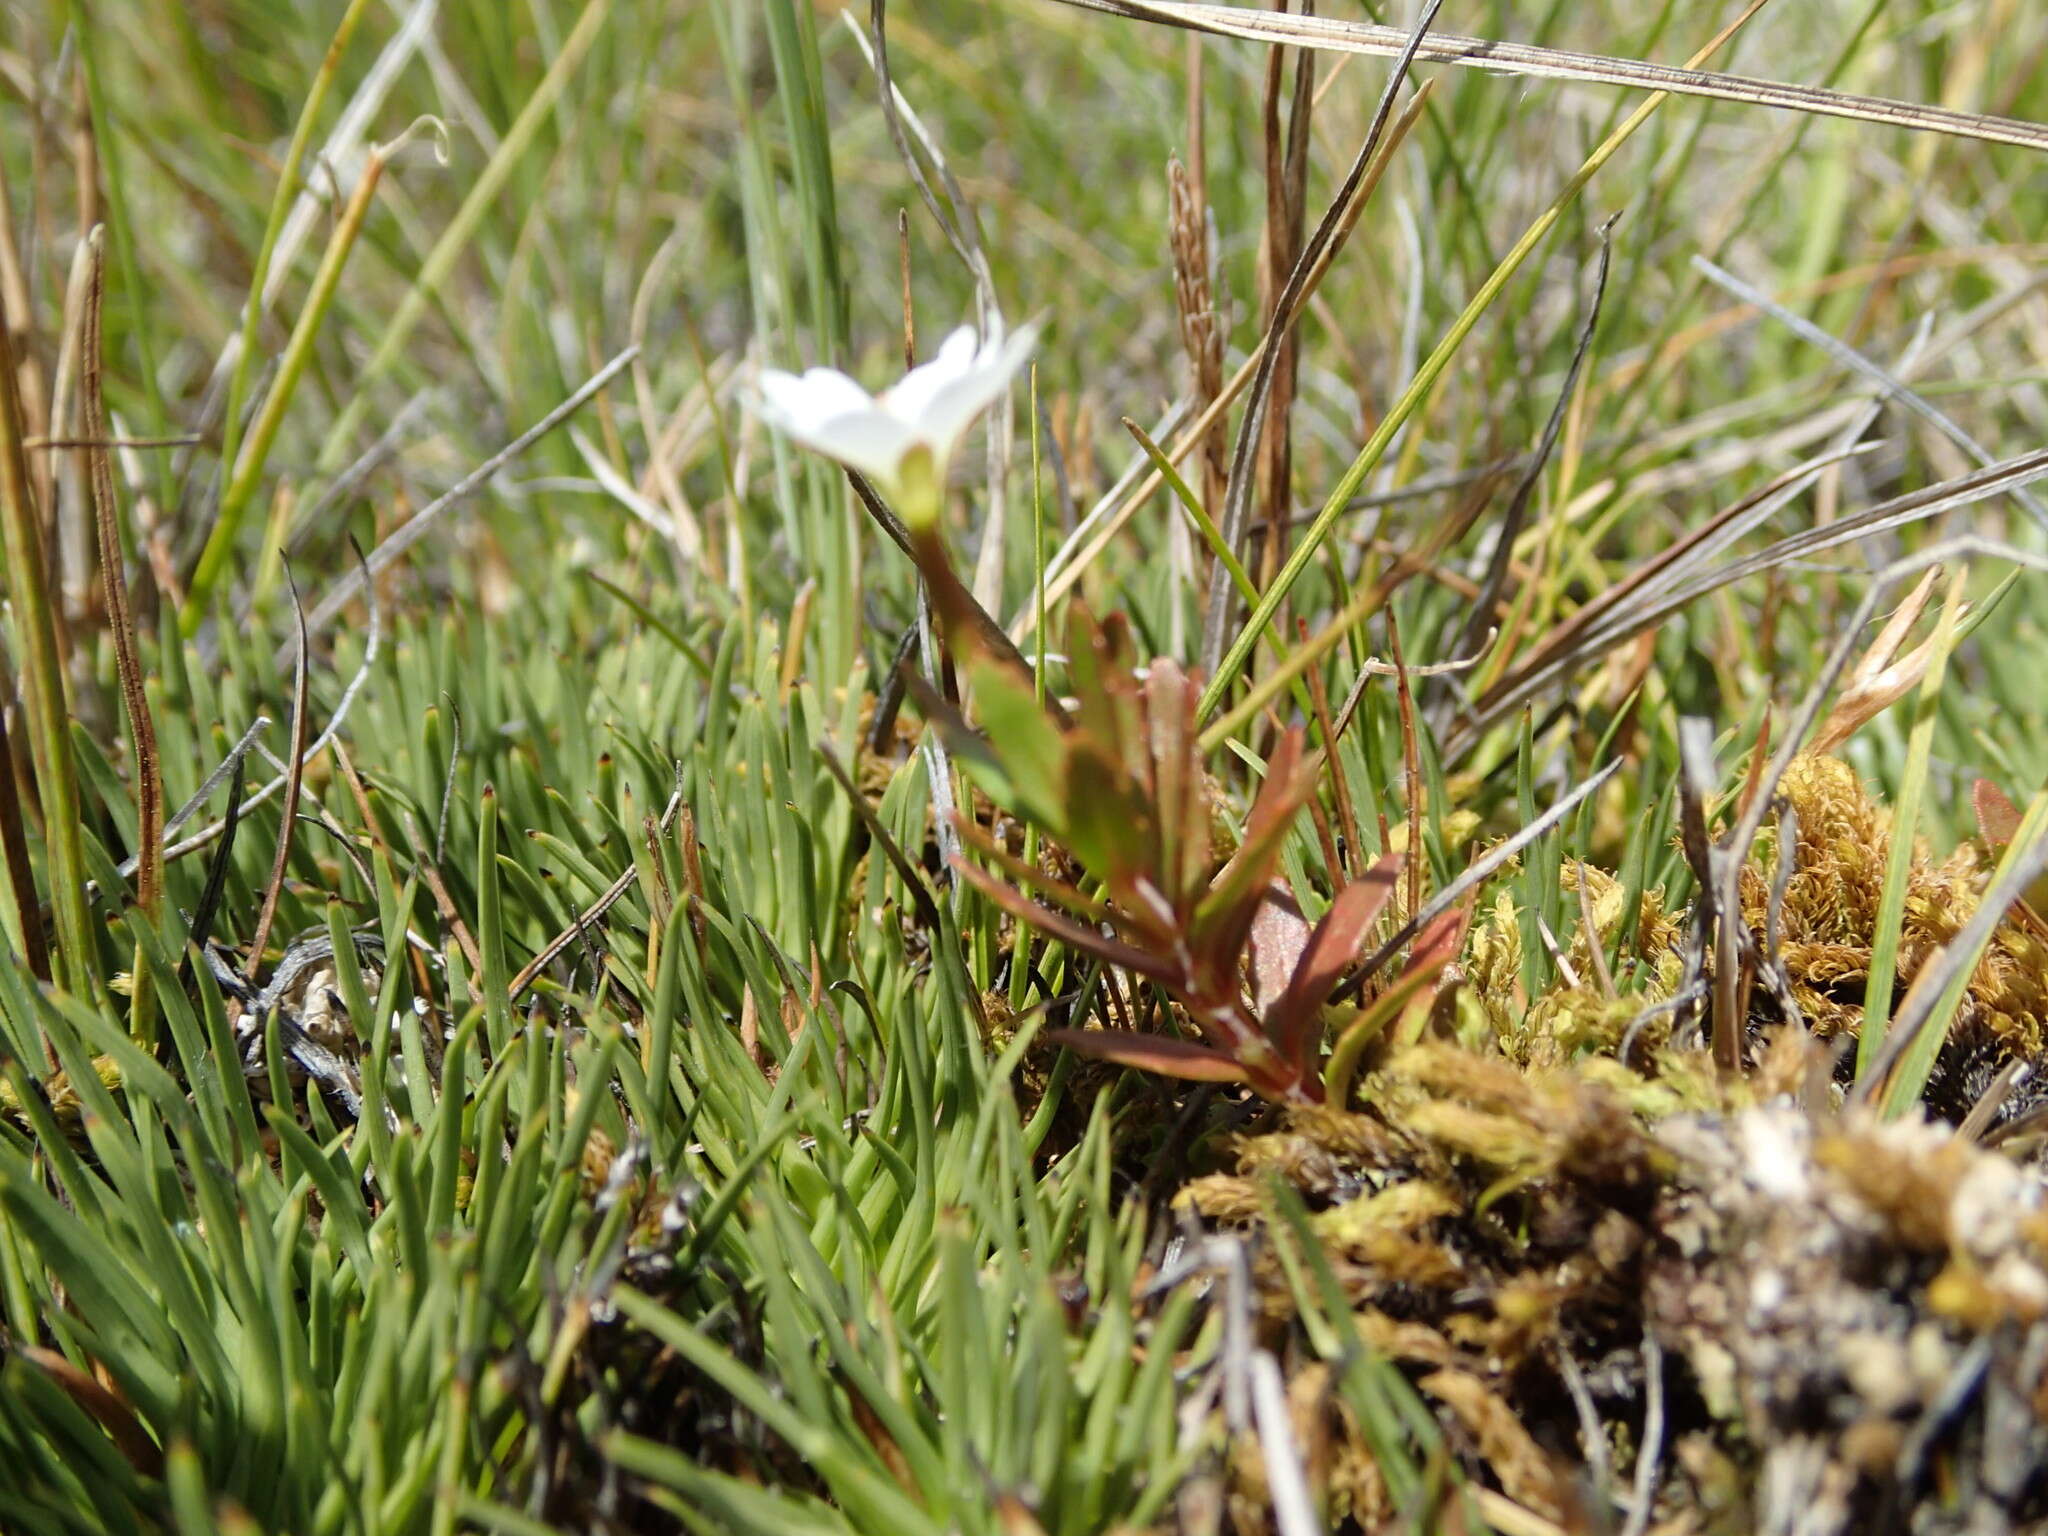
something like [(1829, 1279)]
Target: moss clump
[(1534, 1201), (1828, 923)]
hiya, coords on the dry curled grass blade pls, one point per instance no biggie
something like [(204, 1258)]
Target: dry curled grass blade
[(1336, 36), (149, 789), (102, 1405), (1620, 614), (1881, 677)]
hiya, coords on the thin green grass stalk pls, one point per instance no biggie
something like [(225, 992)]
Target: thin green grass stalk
[(1891, 905), (287, 193), (1205, 525), (799, 74), (1425, 379), (1020, 975), (490, 930), (1212, 536), (1037, 548), (247, 470), (1909, 1081), (455, 239), (42, 677), (1360, 608), (1539, 874)]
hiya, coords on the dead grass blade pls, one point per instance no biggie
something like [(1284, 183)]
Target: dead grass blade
[(200, 933), (1479, 871), (1637, 611), (1716, 914), (591, 915), (372, 634), (1878, 680), (387, 553), (149, 788), (1894, 387), (1525, 490), (1505, 58), (215, 779), (1290, 303)]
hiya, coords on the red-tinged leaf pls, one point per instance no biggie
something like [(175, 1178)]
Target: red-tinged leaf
[(1412, 993), (1998, 819), (1330, 951), (1082, 907), (1109, 827), (1059, 926), (1224, 918), (1439, 942), (1106, 706), (1279, 935), (1176, 780), (1150, 1053)]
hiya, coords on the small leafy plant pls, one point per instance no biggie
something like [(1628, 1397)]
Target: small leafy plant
[(1121, 787), (1119, 783)]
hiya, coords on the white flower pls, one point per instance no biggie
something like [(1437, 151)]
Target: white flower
[(929, 409)]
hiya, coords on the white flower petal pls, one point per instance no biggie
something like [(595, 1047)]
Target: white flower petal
[(829, 413), (870, 440), (795, 403), (932, 406), (947, 417), (913, 398)]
